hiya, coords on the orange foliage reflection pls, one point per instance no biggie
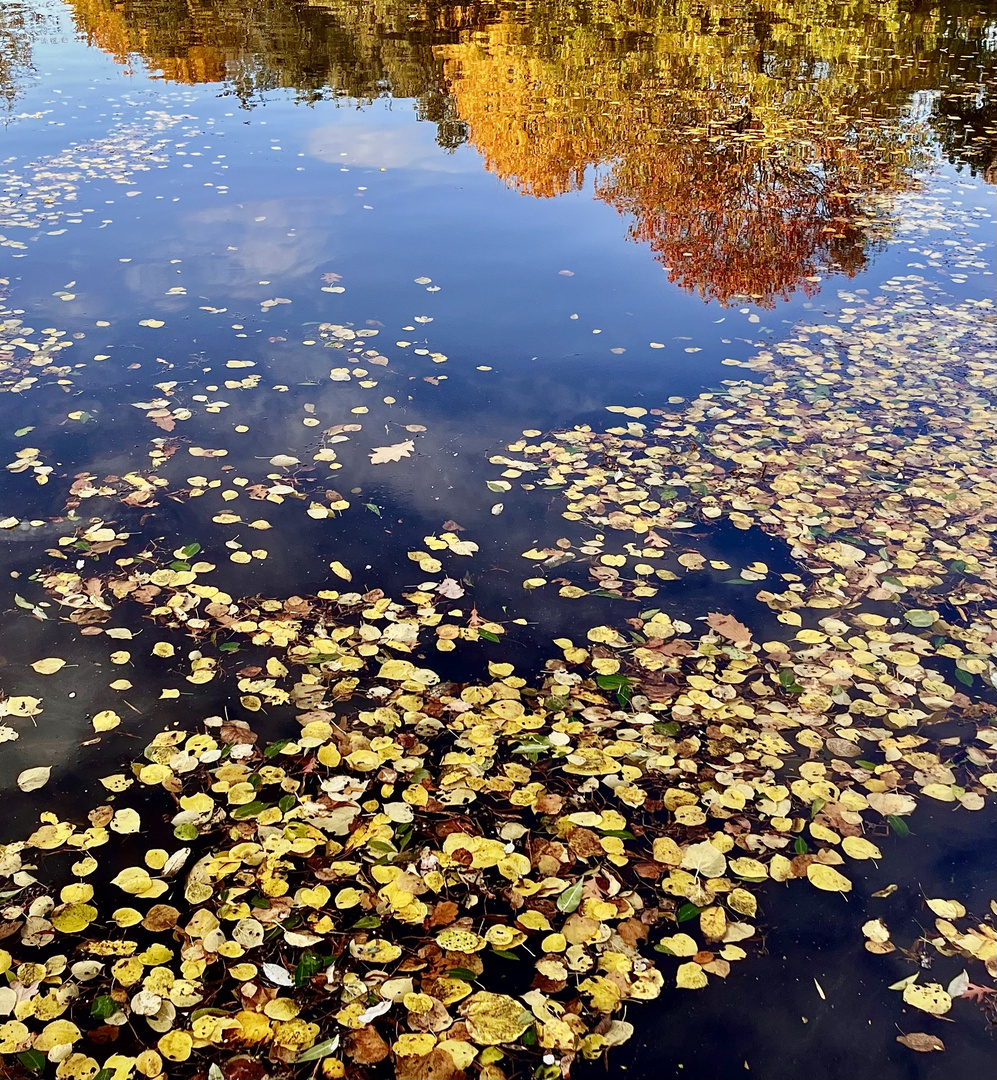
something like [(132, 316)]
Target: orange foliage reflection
[(753, 144)]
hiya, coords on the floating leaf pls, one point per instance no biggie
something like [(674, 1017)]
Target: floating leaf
[(33, 779), (921, 1042), (49, 666), (382, 454)]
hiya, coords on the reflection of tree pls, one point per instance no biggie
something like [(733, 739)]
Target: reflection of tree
[(357, 49), (752, 142), (739, 223), (18, 27)]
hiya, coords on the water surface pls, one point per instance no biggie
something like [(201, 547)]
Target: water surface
[(482, 218)]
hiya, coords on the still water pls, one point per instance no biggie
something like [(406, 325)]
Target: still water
[(284, 285)]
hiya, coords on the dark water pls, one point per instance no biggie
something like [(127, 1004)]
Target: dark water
[(542, 209)]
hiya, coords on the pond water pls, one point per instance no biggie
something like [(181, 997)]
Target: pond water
[(306, 305)]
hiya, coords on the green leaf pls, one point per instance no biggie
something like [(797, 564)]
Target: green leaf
[(623, 834), (535, 744), (207, 1010), (787, 680), (179, 566), (505, 954), (487, 635), (374, 510), (248, 810), (103, 1006), (687, 912), (380, 845), (612, 682), (919, 617), (816, 806), (275, 748), (569, 900), (186, 832), (670, 727), (863, 764), (898, 825), (800, 846), (460, 973), (964, 677), (190, 550), (320, 1050), (33, 1060), (22, 431), (663, 948), (310, 964), (229, 646), (288, 802), (368, 922)]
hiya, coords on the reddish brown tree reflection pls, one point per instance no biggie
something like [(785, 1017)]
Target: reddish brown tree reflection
[(753, 144)]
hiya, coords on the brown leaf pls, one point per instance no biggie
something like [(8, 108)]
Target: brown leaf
[(160, 917), (366, 1047), (437, 1065), (727, 626), (443, 913), (244, 1068), (584, 842), (921, 1042)]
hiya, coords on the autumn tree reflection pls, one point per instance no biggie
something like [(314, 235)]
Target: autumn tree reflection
[(752, 144), (19, 26)]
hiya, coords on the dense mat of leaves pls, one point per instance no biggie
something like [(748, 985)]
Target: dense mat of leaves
[(357, 893)]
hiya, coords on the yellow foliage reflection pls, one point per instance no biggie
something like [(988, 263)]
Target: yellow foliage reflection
[(753, 144)]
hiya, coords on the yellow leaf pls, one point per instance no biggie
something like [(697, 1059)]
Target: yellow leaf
[(947, 909), (690, 976), (495, 1018), (49, 666), (106, 720), (929, 998), (464, 941), (827, 878), (859, 848), (340, 571), (409, 1045), (941, 792), (72, 918), (57, 1033), (176, 1045)]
